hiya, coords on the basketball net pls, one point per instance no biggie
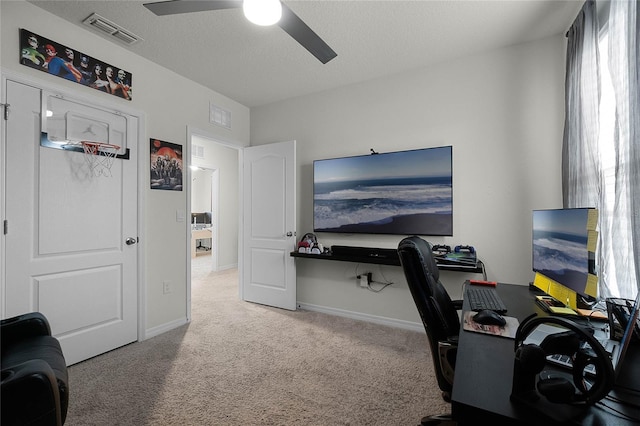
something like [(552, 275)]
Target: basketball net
[(100, 156)]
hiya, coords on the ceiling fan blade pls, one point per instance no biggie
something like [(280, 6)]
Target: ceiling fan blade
[(296, 28), (174, 7)]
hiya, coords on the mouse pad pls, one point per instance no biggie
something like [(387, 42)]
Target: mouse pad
[(508, 330)]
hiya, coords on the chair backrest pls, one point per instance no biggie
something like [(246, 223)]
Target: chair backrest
[(439, 315)]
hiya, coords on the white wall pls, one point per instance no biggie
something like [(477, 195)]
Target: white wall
[(169, 109), (201, 190), (502, 112)]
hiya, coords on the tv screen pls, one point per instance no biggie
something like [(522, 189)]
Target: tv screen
[(402, 193), (560, 247)]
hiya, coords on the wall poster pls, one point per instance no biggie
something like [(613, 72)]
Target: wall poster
[(166, 165), (56, 59)]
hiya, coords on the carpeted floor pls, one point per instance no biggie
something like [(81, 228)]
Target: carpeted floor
[(239, 363)]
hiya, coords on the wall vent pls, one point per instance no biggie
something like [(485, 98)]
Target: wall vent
[(116, 31), (219, 116), (197, 151)]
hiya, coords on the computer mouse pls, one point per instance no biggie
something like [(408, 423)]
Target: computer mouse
[(489, 317)]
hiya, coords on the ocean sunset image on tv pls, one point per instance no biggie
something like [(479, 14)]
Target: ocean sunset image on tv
[(403, 193)]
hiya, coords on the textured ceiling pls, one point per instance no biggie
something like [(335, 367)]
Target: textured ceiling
[(260, 65)]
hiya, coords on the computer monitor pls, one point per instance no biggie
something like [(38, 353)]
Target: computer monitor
[(201, 218), (561, 248)]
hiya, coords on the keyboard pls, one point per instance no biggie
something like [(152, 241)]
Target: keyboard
[(566, 361), (485, 298)]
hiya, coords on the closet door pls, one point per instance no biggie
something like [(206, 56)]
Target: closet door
[(70, 247)]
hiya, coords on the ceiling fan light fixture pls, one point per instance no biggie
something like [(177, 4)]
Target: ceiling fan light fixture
[(262, 12)]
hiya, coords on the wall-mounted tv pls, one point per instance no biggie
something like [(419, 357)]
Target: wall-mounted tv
[(401, 193)]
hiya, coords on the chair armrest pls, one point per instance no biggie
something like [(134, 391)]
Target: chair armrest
[(457, 304), (30, 394), (23, 326)]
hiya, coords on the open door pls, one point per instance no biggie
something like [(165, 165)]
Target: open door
[(268, 225)]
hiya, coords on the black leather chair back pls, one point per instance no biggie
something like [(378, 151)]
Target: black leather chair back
[(35, 382), (437, 310)]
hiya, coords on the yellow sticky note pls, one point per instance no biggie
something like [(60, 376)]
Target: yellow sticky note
[(566, 311), (552, 288), (592, 219), (592, 240), (592, 285)]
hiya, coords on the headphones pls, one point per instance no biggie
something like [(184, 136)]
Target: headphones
[(310, 238), (530, 360)]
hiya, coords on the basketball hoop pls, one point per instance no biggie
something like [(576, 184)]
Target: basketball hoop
[(99, 156)]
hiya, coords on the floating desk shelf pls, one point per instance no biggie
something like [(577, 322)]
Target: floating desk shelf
[(388, 260)]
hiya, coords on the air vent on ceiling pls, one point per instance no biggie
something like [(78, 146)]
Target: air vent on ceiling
[(98, 22), (219, 116)]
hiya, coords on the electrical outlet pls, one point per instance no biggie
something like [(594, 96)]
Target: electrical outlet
[(364, 280), (166, 287)]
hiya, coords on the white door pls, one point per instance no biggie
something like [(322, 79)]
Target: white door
[(66, 243), (268, 229)]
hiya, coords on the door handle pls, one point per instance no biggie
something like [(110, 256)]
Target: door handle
[(289, 234), (131, 241)]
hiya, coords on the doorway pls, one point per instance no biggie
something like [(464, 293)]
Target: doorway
[(204, 209), (214, 180)]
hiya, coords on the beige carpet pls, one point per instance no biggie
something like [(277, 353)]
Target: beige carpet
[(239, 363)]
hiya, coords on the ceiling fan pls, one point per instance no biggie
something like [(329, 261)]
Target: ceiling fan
[(289, 21)]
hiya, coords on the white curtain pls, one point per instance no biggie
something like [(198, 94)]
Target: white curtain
[(583, 175), (580, 159), (624, 52)]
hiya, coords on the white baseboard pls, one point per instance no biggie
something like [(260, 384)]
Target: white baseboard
[(407, 325), (391, 322), (156, 331), (232, 266)]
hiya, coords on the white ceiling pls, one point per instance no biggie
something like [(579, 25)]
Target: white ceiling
[(259, 65)]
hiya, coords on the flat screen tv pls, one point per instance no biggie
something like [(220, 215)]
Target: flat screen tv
[(561, 249), (401, 193)]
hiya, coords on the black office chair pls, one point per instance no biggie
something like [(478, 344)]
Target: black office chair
[(438, 312), (35, 382)]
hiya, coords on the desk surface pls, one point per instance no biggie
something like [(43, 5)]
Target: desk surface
[(484, 373), (392, 261)]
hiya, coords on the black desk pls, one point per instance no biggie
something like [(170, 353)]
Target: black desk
[(484, 373)]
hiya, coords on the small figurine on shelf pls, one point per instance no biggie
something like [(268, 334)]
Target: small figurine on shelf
[(309, 244)]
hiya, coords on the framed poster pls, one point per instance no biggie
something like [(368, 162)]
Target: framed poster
[(166, 165)]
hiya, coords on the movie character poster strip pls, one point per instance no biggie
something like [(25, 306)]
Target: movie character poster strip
[(62, 61)]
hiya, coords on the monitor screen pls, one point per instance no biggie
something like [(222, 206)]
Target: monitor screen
[(201, 218), (402, 193), (561, 249)]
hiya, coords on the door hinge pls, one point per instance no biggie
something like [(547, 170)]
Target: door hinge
[(6, 111), (5, 226)]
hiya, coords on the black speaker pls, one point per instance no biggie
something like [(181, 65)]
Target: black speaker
[(529, 380)]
